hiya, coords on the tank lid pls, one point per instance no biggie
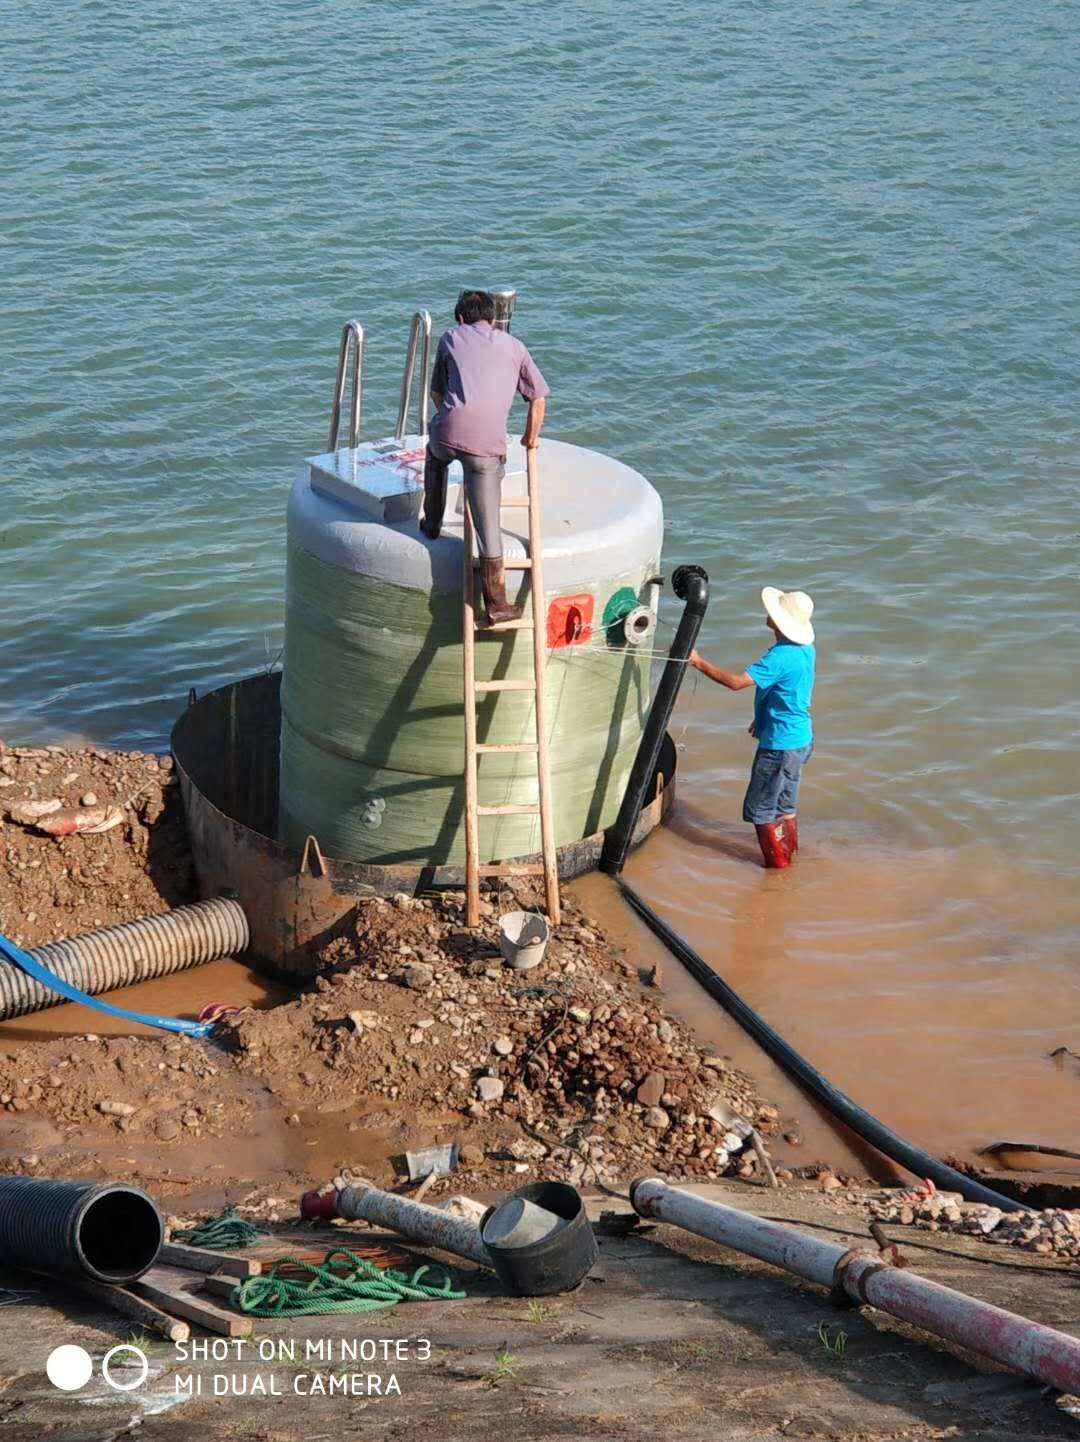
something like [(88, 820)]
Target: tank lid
[(599, 518)]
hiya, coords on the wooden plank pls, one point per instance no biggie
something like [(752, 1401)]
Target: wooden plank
[(511, 809), (521, 625), (468, 637), (198, 1259), (543, 770), (483, 748), (511, 563), (504, 686), (513, 503), (509, 869), (136, 1309), (220, 1286), (173, 1289)]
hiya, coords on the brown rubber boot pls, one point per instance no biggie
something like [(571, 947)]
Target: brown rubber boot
[(493, 581), (771, 840)]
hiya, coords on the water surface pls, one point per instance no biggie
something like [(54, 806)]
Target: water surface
[(813, 269)]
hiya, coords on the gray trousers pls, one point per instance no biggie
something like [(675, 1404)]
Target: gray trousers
[(483, 489)]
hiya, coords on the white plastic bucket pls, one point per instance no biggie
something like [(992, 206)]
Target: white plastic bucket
[(523, 937)]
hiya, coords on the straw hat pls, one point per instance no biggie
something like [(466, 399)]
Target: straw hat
[(791, 611)]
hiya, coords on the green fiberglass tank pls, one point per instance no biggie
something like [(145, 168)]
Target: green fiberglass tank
[(372, 745)]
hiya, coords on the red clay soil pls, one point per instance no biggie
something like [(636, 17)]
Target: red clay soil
[(412, 1023)]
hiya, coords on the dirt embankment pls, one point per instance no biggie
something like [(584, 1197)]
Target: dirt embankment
[(58, 886), (570, 1070), (415, 1031)]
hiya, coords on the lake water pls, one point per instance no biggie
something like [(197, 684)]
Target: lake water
[(813, 269)]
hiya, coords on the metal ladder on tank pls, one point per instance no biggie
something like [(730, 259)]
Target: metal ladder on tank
[(548, 867)]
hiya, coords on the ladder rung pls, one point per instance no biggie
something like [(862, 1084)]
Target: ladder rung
[(517, 563), (482, 748), (515, 502), (511, 810), (506, 685), (510, 870), (504, 626)]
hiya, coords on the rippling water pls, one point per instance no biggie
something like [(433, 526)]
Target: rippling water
[(813, 269)]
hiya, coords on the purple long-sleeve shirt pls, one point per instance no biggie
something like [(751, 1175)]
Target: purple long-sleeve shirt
[(478, 371)]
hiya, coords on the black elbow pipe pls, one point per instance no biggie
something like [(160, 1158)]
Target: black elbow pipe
[(691, 585), (841, 1106)]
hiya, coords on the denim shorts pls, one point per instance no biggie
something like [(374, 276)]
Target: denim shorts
[(774, 784)]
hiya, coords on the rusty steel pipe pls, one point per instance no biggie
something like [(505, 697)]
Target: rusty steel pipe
[(1041, 1352), (416, 1221)]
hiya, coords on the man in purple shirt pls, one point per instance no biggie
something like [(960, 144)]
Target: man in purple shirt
[(478, 371)]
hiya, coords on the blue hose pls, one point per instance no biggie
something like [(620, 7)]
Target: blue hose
[(48, 978)]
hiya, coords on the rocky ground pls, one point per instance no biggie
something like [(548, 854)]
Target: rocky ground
[(1051, 1231), (415, 1032), (570, 1070), (54, 886)]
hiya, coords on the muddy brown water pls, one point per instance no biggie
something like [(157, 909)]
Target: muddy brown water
[(931, 983)]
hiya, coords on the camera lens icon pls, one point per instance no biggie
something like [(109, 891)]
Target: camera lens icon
[(70, 1367)]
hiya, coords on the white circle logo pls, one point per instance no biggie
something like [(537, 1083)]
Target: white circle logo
[(141, 1363), (69, 1367)]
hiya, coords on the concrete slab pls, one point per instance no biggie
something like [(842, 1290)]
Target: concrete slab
[(671, 1337)]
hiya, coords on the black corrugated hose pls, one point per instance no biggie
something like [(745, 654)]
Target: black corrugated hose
[(109, 1231)]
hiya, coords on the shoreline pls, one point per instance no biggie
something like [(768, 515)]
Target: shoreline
[(413, 1031)]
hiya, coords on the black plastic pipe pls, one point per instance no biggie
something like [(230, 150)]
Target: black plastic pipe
[(691, 585), (809, 1078), (109, 1231)]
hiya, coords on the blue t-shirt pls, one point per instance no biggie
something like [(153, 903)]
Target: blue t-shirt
[(784, 678)]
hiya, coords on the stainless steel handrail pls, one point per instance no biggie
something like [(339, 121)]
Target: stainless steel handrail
[(505, 301), (353, 331), (421, 325)]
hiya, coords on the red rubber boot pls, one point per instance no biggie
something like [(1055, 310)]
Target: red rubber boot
[(791, 834), (771, 840)]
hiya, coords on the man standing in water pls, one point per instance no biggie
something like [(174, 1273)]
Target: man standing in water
[(478, 370), (784, 678)]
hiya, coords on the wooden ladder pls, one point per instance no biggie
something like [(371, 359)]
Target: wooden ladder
[(539, 748)]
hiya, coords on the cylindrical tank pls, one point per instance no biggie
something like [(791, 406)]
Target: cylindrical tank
[(372, 742)]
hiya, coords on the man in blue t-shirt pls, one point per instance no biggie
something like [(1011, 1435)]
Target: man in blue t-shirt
[(784, 678)]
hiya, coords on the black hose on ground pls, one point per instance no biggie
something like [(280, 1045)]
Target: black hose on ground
[(691, 585), (809, 1078)]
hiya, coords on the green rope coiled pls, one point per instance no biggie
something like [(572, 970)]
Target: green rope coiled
[(343, 1282), (222, 1233)]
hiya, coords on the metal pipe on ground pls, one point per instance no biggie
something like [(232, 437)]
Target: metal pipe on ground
[(414, 1220), (836, 1102), (110, 1232), (115, 956), (691, 585), (1041, 1352)]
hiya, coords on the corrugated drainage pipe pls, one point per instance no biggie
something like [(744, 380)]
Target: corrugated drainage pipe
[(135, 951), (1041, 1352), (108, 1231)]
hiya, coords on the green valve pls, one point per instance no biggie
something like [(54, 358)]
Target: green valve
[(617, 609)]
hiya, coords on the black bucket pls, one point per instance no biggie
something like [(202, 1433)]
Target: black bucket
[(106, 1230), (555, 1263)]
